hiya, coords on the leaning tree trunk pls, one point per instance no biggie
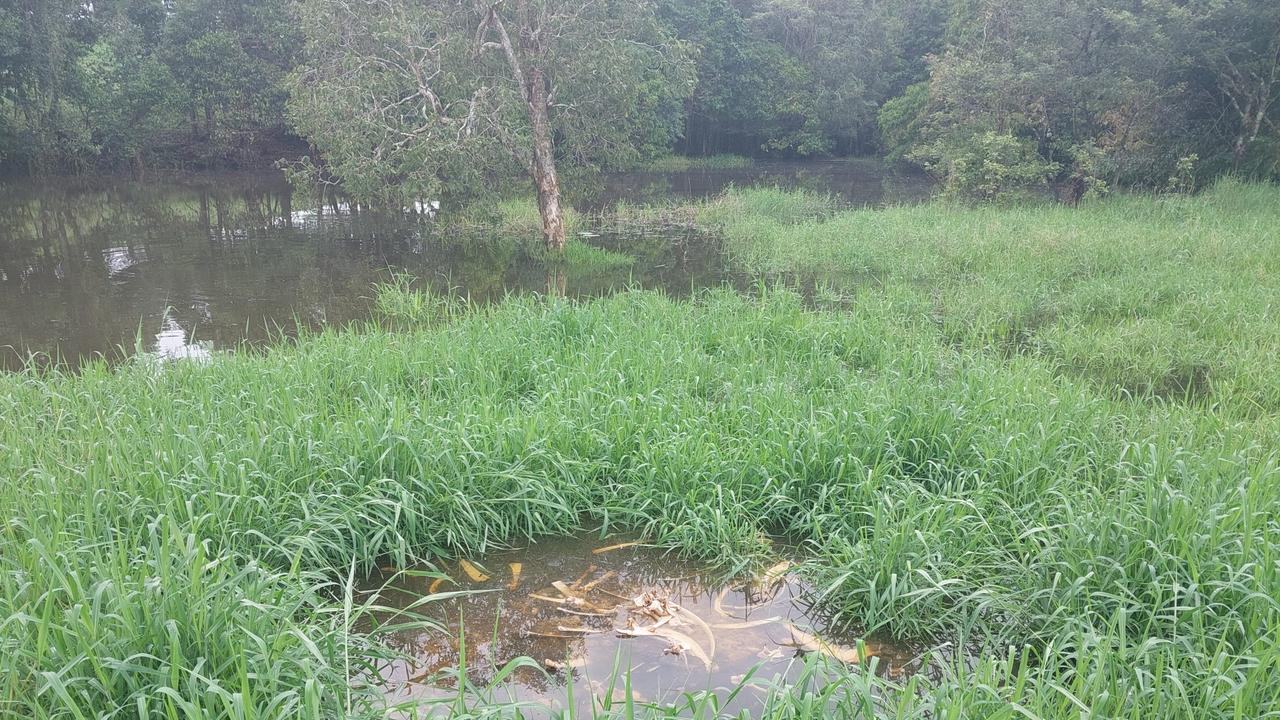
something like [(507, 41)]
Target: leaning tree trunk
[(545, 179)]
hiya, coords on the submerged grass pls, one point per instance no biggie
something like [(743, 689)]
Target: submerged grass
[(178, 538)]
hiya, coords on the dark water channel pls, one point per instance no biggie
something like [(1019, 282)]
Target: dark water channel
[(587, 619), (184, 267)]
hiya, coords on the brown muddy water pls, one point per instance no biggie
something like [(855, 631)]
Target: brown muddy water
[(184, 267), (587, 618)]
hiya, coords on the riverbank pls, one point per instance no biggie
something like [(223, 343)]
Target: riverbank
[(185, 538)]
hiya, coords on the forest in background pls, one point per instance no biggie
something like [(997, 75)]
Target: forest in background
[(989, 95)]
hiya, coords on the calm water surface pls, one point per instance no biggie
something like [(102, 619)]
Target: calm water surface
[(586, 617), (182, 268)]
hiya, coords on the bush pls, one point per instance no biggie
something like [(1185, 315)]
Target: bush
[(987, 166)]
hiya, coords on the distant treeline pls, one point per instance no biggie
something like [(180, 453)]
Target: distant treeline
[(990, 95), (109, 84)]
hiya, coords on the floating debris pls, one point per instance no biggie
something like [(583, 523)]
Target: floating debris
[(472, 571), (579, 630), (585, 573), (591, 585), (711, 636), (583, 613), (675, 637), (573, 663), (813, 643), (555, 636), (611, 548), (776, 573), (576, 612), (653, 604), (722, 609), (564, 589), (558, 601)]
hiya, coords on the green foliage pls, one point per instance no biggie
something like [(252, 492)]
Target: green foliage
[(512, 216), (988, 166), (581, 256), (453, 117), (1111, 91), (774, 205), (181, 536), (1183, 179), (900, 120), (137, 82), (404, 306), (130, 98), (1158, 298)]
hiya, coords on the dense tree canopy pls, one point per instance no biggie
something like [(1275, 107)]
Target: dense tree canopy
[(993, 96), (104, 83), (408, 98)]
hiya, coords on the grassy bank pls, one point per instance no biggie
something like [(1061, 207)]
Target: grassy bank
[(685, 163), (1175, 298), (177, 539)]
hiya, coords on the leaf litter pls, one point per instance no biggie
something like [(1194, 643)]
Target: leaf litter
[(563, 610)]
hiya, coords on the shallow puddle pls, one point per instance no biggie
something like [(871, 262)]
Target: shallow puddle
[(589, 613)]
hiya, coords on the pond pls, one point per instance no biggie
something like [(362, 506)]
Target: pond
[(587, 613), (187, 266)]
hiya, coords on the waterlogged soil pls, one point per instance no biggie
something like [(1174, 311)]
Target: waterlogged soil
[(586, 613)]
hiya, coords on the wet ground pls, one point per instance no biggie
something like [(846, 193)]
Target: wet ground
[(188, 266), (588, 613)]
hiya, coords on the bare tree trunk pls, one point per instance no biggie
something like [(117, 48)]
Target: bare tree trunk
[(545, 178), (533, 86)]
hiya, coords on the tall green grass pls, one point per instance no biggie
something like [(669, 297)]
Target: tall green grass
[(1176, 298), (511, 218), (178, 539), (684, 163)]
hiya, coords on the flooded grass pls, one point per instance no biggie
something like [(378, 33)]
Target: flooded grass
[(203, 263), (191, 539), (587, 611)]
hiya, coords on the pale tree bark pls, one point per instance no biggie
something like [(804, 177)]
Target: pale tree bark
[(1252, 95), (536, 94), (545, 179)]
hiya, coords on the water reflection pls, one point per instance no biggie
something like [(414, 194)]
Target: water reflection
[(588, 616), (174, 343), (95, 269)]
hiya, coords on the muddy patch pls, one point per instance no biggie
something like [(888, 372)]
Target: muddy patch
[(589, 613)]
